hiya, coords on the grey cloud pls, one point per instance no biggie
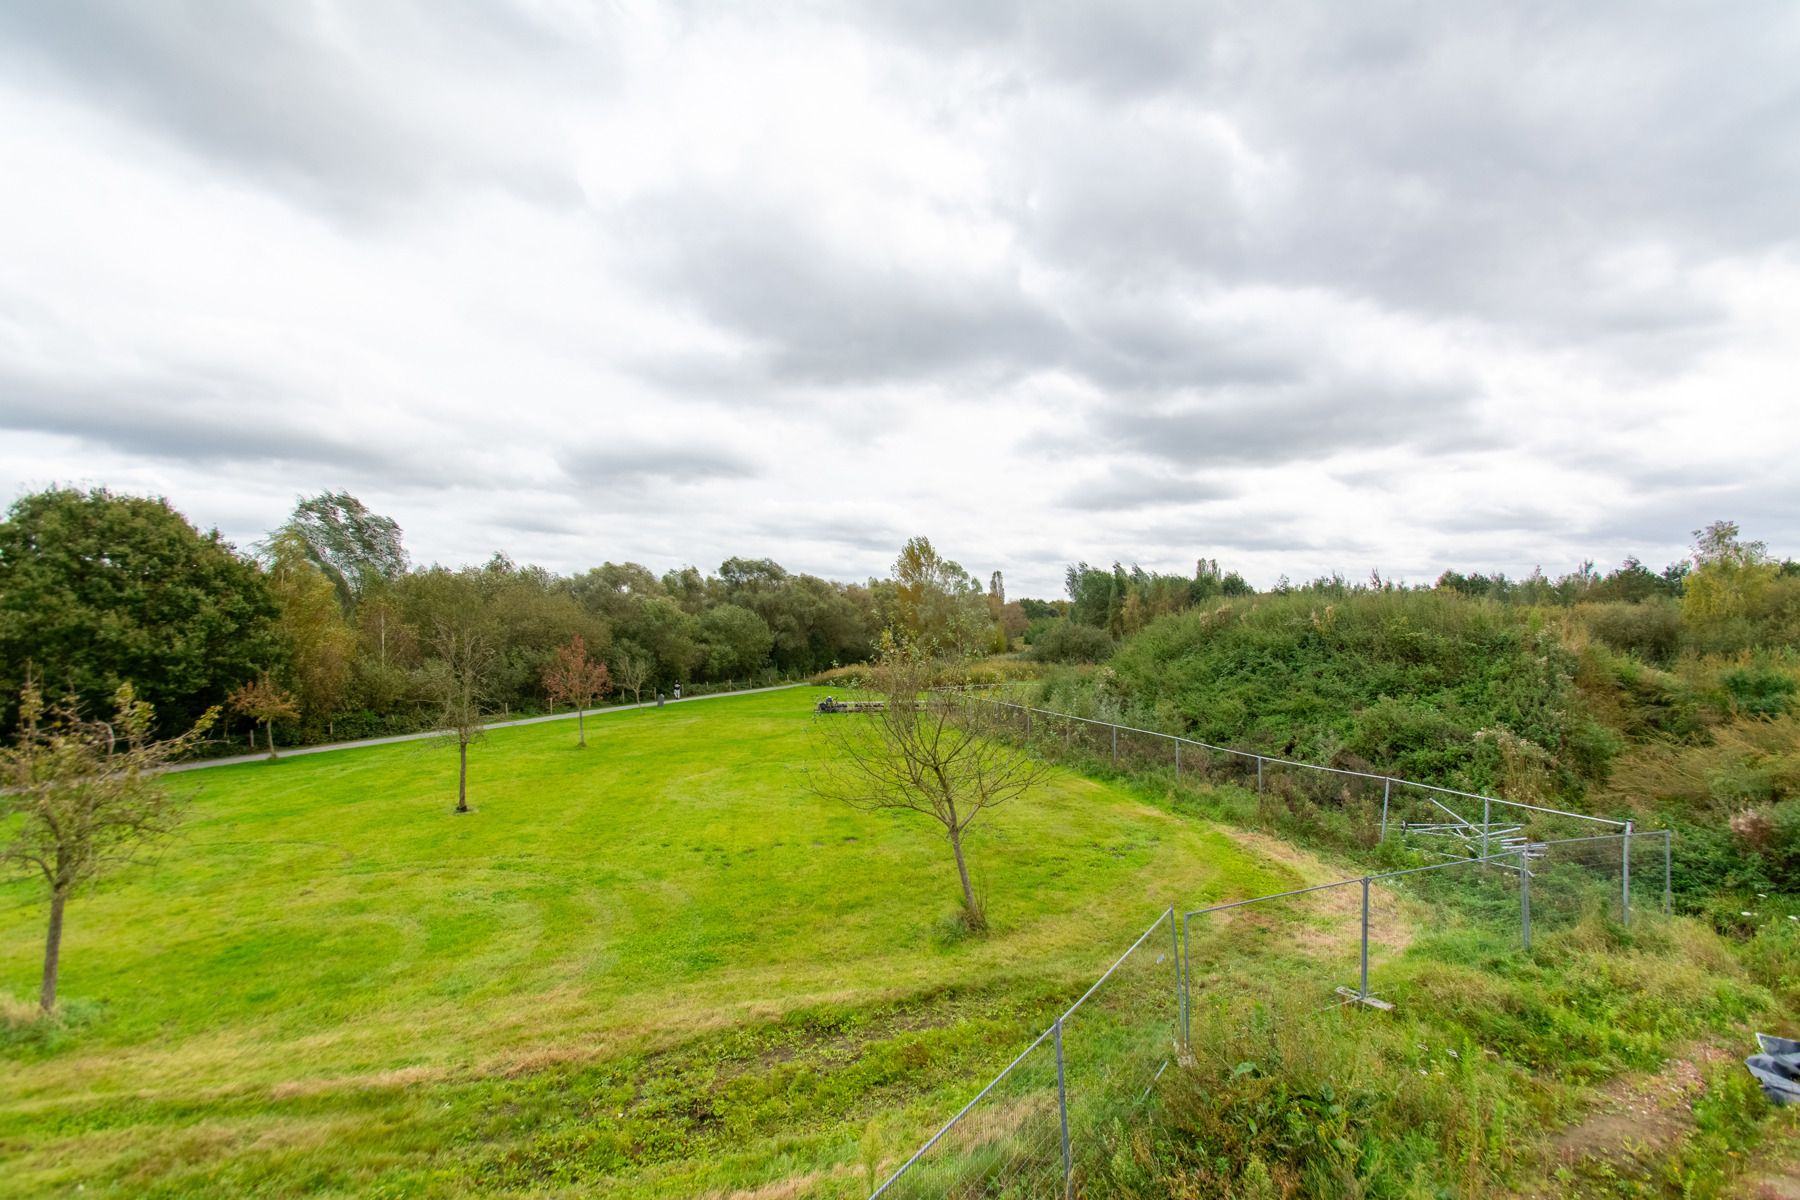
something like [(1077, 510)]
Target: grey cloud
[(1127, 488), (305, 96), (1762, 508), (1499, 518), (203, 417), (625, 464), (871, 534), (816, 317), (1223, 535), (1269, 426), (1124, 49), (1487, 162)]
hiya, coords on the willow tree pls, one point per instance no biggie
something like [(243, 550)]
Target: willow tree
[(924, 752), (80, 796)]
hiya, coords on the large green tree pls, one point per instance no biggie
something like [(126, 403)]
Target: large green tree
[(321, 645), (937, 605), (98, 589), (735, 642)]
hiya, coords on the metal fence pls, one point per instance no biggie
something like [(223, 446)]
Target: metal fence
[(1357, 924), (1037, 1126), (1033, 1130), (1046, 1121), (1456, 823)]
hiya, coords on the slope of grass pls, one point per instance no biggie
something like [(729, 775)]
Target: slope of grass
[(656, 966)]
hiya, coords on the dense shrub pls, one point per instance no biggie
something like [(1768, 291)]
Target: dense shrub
[(1651, 630), (1760, 690), (1067, 642), (1404, 680)]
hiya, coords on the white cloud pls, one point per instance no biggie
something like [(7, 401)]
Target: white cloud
[(1302, 288)]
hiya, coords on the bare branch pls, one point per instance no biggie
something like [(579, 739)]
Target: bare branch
[(921, 753)]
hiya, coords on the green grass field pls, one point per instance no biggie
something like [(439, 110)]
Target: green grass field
[(654, 967)]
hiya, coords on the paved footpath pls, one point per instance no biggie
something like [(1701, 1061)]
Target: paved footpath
[(297, 751)]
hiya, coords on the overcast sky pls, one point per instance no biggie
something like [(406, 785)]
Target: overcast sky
[(1301, 287)]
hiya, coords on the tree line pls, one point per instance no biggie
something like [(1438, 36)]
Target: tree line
[(325, 629)]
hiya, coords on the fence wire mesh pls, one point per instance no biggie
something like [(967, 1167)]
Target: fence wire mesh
[(1006, 1143), (1039, 1125), (1429, 818), (1505, 872), (1117, 1041)]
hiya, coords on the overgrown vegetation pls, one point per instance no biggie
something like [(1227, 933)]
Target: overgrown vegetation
[(1608, 693)]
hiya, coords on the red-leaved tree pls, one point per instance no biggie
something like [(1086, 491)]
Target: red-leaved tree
[(574, 678)]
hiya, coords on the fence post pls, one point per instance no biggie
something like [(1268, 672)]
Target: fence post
[(1363, 986), (1177, 760), (1668, 874), (1115, 732), (1387, 786), (1028, 722), (1175, 949), (1524, 901), (1187, 989), (1625, 877), (1062, 1108), (1259, 772), (1486, 820)]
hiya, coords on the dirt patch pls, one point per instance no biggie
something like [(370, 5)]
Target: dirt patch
[(1634, 1122), (1336, 912)]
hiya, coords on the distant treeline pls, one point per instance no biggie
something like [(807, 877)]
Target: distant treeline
[(1746, 599), (97, 589)]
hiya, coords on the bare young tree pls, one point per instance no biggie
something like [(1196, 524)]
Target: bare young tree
[(79, 796), (457, 679), (577, 679), (264, 703), (633, 672), (924, 752)]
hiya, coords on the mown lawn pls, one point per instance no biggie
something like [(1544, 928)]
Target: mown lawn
[(654, 967)]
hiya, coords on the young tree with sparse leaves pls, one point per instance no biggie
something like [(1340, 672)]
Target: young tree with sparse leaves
[(264, 703), (79, 796), (457, 679), (925, 752), (574, 678), (633, 672)]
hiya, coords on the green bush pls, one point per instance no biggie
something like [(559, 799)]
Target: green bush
[(1403, 680), (1760, 690), (1651, 630), (1067, 642)]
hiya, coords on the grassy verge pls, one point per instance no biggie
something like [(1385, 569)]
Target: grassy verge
[(654, 967)]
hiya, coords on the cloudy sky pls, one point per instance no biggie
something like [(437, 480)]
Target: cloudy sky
[(1302, 287)]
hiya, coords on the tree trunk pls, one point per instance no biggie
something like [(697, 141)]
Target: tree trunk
[(270, 726), (462, 777), (976, 918), (52, 950), (580, 727)]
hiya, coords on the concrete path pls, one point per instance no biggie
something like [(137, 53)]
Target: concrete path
[(297, 751)]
